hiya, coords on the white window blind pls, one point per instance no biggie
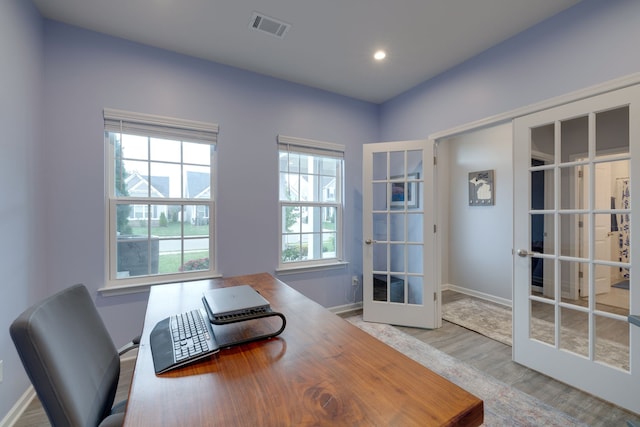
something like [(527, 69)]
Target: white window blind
[(159, 126), (310, 146)]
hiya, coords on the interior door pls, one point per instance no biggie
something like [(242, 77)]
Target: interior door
[(399, 276), (581, 340)]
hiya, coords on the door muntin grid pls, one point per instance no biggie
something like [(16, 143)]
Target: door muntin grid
[(580, 225)]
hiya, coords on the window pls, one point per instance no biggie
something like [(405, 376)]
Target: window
[(160, 198), (310, 202)]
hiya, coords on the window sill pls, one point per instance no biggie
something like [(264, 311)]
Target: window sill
[(115, 290), (306, 268)]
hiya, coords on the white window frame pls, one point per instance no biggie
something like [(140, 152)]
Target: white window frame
[(126, 122), (319, 148)]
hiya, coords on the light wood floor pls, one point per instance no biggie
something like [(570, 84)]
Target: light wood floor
[(495, 359), (485, 354)]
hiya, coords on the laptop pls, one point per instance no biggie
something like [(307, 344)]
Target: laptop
[(227, 305)]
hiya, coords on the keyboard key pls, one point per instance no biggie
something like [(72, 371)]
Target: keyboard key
[(189, 335)]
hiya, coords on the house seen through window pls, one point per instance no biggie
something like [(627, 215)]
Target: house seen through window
[(160, 198), (310, 202)]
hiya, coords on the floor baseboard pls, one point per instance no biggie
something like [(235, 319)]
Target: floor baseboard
[(347, 309), (353, 308), (18, 409), (477, 294)]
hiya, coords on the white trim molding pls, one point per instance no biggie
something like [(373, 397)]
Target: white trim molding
[(346, 308)]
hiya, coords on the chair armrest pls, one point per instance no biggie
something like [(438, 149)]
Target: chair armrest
[(134, 343)]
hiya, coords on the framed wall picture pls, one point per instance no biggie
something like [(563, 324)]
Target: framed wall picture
[(404, 190), (481, 188)]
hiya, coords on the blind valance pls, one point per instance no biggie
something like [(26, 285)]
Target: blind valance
[(159, 126), (309, 146)]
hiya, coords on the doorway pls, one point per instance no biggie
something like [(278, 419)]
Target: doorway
[(556, 259), (476, 240)]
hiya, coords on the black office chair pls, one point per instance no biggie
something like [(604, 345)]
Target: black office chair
[(70, 359)]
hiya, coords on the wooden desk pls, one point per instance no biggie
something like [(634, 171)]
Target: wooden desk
[(320, 371)]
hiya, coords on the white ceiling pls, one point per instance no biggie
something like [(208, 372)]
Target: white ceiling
[(330, 43)]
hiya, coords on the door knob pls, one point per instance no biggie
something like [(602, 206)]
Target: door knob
[(369, 241), (524, 253)]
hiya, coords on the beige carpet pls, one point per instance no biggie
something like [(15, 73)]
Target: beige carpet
[(495, 321), (490, 320)]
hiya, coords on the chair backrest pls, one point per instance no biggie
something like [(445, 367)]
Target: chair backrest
[(69, 357)]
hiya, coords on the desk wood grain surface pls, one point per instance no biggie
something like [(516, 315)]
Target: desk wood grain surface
[(320, 371)]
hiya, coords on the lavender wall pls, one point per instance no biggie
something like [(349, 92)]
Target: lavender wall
[(86, 72), (21, 256), (588, 44), (479, 238)]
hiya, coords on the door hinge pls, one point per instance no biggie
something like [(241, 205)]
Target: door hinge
[(580, 275), (435, 160), (580, 224), (579, 174), (435, 296), (435, 228)]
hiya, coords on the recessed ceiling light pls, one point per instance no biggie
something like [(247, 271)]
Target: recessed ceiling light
[(380, 55)]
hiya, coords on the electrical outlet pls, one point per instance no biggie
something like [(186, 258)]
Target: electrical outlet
[(354, 281)]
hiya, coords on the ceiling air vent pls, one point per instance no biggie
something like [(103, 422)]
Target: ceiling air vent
[(269, 25)]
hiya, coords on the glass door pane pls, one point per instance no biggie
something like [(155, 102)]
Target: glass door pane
[(580, 225), (398, 227)]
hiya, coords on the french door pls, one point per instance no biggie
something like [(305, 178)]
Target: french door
[(574, 246), (399, 272)]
